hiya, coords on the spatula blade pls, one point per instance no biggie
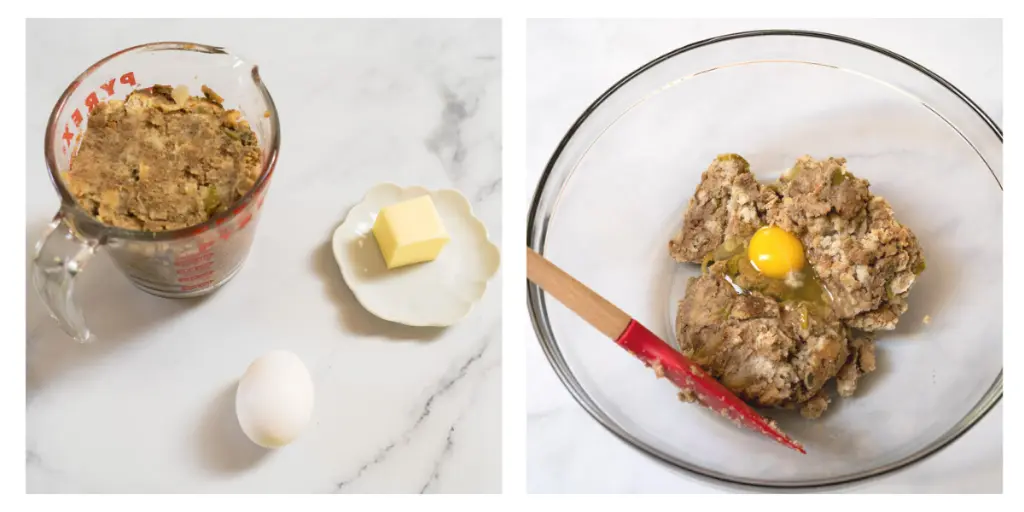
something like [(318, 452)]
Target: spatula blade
[(668, 362)]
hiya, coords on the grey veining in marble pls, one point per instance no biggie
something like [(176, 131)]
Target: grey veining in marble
[(149, 406)]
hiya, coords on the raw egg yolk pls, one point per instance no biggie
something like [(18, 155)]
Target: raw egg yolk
[(775, 252)]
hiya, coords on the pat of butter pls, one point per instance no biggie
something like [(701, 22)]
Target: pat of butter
[(410, 232)]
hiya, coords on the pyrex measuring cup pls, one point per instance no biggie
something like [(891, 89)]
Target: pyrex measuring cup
[(187, 262)]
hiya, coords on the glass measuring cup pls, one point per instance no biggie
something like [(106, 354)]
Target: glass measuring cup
[(187, 262)]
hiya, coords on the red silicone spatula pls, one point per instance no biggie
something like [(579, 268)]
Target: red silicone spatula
[(647, 347)]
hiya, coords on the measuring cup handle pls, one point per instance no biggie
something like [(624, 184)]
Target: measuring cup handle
[(59, 257)]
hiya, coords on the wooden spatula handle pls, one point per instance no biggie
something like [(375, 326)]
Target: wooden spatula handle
[(646, 346), (590, 306)]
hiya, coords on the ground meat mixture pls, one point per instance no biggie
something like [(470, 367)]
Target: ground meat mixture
[(729, 204), (773, 349), (163, 160), (860, 361), (769, 354), (865, 258), (815, 407)]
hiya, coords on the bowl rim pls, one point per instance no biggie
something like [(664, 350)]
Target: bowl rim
[(542, 328)]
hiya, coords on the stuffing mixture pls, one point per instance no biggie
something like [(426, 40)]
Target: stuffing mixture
[(163, 160), (797, 277)]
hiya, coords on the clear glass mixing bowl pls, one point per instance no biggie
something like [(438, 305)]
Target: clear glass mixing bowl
[(614, 191)]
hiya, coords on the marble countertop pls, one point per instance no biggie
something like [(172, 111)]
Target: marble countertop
[(149, 406), (569, 64)]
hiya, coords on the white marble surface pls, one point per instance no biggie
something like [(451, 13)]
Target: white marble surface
[(149, 406), (569, 64)]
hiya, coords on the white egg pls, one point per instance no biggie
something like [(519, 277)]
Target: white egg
[(274, 400)]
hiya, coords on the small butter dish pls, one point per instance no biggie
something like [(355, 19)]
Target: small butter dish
[(436, 293)]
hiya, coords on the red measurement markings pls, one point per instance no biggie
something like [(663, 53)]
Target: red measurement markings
[(198, 268), (196, 277), (192, 259), (194, 270), (245, 221), (190, 287)]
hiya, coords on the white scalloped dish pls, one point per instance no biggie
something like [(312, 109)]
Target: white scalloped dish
[(437, 293)]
